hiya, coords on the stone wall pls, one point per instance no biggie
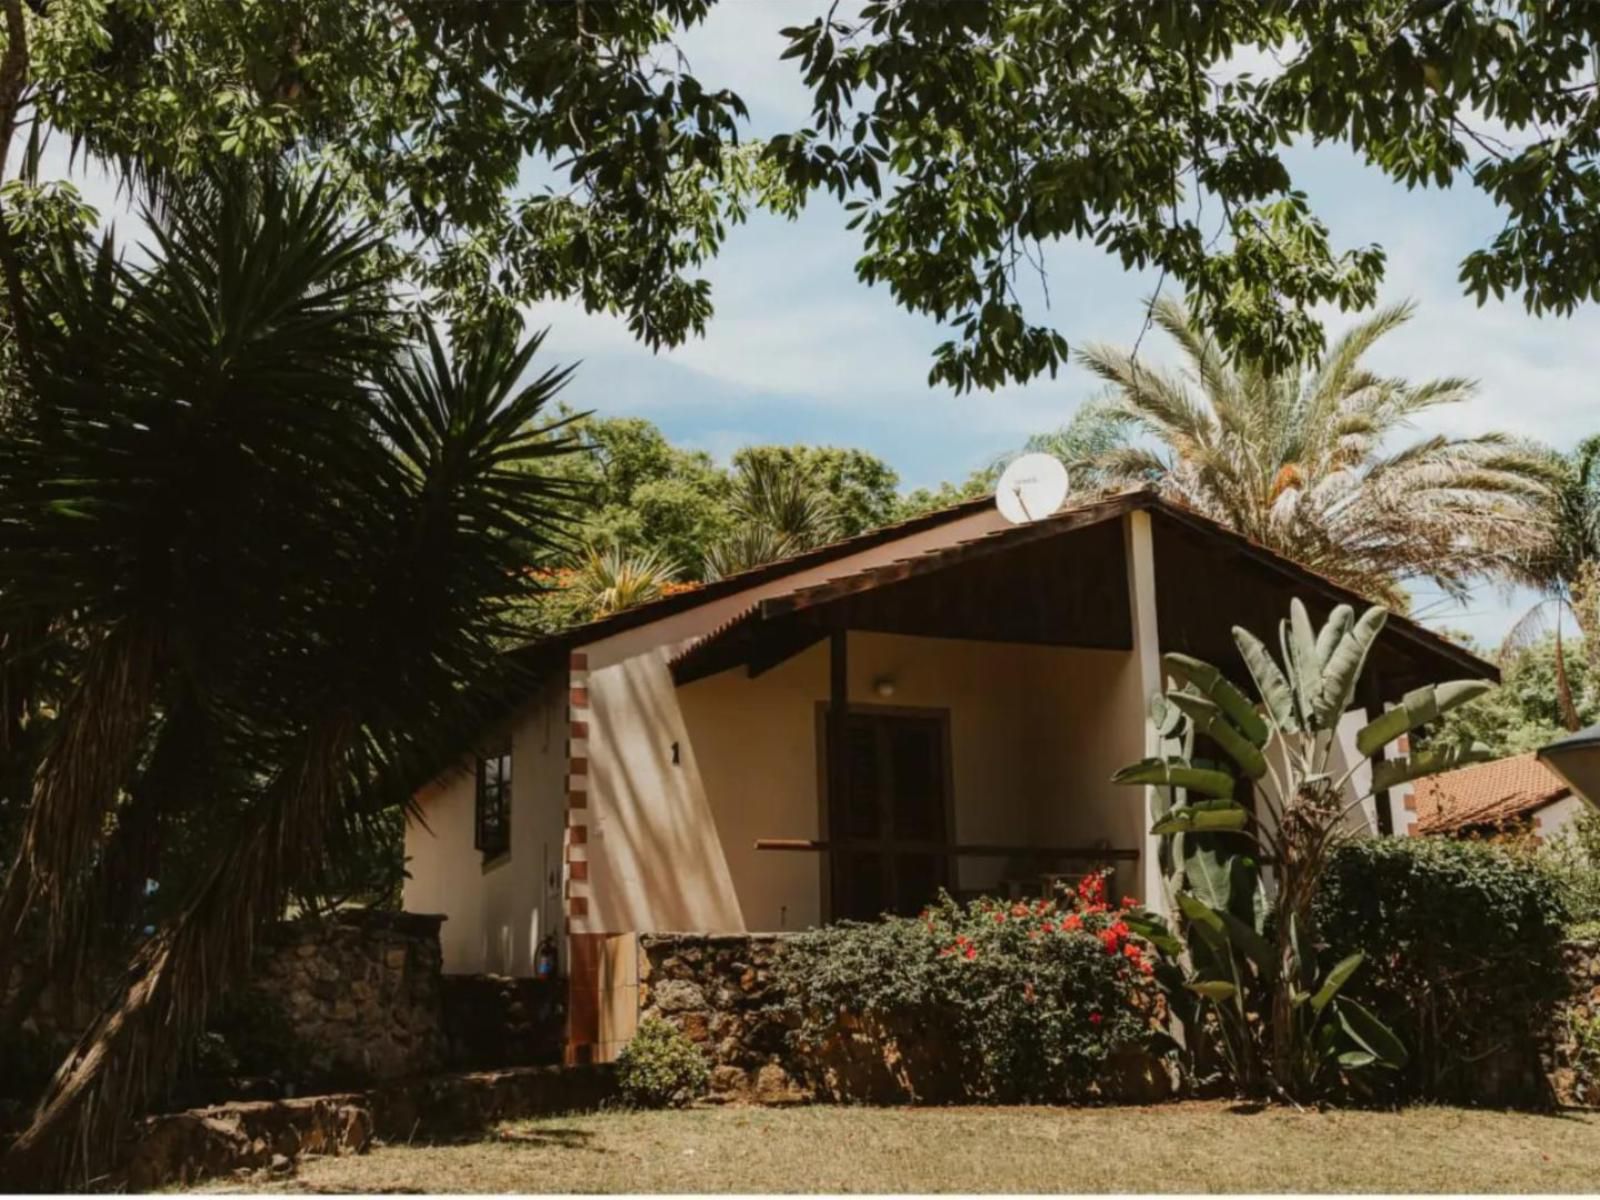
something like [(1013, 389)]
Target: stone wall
[(503, 1021), (361, 991), (719, 990)]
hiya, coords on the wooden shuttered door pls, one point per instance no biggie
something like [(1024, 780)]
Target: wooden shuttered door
[(889, 831)]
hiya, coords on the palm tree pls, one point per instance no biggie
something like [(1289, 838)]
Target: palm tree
[(1567, 570), (610, 580), (780, 508), (266, 533), (1297, 463)]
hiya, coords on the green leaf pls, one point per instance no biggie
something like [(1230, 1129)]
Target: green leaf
[(1392, 772), (1219, 689), (1254, 947), (1333, 631), (1305, 668), (1203, 816), (1334, 980), (1208, 719), (1416, 708), (1177, 772), (1164, 718), (1154, 930), (1213, 989), (1344, 667), (1372, 1034), (1268, 678)]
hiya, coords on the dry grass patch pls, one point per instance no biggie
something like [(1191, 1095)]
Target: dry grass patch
[(1179, 1148)]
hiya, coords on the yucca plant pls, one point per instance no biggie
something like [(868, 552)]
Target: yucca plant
[(1253, 948), (610, 580), (269, 529)]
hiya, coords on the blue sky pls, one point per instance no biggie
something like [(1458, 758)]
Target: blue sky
[(800, 351)]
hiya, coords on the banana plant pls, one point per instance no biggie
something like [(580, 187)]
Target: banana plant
[(1251, 950)]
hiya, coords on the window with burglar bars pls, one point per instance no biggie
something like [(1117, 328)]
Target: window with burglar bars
[(493, 808)]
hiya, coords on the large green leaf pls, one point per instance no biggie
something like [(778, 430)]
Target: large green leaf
[(1300, 650), (1203, 816), (1153, 930), (1254, 947), (1270, 683), (1210, 720), (1371, 1034), (1177, 772), (1343, 670), (1334, 980), (1392, 772), (1219, 689), (1212, 989), (1416, 708), (1333, 631), (1164, 718)]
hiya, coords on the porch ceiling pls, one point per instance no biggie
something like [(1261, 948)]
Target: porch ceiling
[(1065, 584), (1063, 581)]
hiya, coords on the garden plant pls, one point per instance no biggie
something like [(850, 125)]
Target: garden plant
[(997, 1000), (1252, 949)]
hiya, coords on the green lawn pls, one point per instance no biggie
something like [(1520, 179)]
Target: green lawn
[(1197, 1147)]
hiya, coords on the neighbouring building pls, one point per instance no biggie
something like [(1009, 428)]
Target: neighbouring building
[(1510, 795), (678, 767)]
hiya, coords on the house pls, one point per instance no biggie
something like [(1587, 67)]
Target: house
[(675, 767), (1510, 795)]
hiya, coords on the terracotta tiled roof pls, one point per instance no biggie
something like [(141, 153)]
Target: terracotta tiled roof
[(1485, 794)]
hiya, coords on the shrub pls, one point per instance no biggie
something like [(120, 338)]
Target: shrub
[(1573, 860), (660, 1067), (1463, 952), (992, 1000)]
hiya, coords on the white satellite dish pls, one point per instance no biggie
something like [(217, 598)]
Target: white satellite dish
[(1033, 486)]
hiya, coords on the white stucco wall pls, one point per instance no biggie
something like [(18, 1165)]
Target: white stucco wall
[(497, 912)]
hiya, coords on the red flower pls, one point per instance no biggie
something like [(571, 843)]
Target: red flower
[(1049, 926), (999, 917), (1071, 921), (1129, 902), (1133, 951), (972, 953), (1094, 1018)]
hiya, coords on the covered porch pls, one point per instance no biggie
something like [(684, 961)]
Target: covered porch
[(992, 688)]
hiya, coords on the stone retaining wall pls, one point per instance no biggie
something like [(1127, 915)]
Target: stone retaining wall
[(361, 991), (503, 1021), (185, 1148), (719, 990)]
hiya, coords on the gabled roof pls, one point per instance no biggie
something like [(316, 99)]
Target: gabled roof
[(730, 585), (712, 651), (1485, 794)]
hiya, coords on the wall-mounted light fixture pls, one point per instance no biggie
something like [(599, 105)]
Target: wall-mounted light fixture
[(883, 686)]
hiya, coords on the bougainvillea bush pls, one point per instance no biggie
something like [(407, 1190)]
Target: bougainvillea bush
[(991, 1000)]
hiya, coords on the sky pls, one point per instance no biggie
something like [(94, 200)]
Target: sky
[(800, 351)]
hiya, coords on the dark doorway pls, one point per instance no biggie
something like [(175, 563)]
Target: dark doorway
[(889, 834)]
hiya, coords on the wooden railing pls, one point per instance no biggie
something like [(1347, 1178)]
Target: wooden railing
[(964, 849)]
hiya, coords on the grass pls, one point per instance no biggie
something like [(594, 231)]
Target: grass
[(1194, 1147)]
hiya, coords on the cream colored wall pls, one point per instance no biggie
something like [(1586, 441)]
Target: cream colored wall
[(671, 845), (1556, 820), (497, 914)]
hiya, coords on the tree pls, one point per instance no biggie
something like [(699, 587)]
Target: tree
[(970, 136), (1083, 445), (1527, 710), (266, 532), (1566, 568), (781, 506), (1296, 461), (521, 151), (860, 487)]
